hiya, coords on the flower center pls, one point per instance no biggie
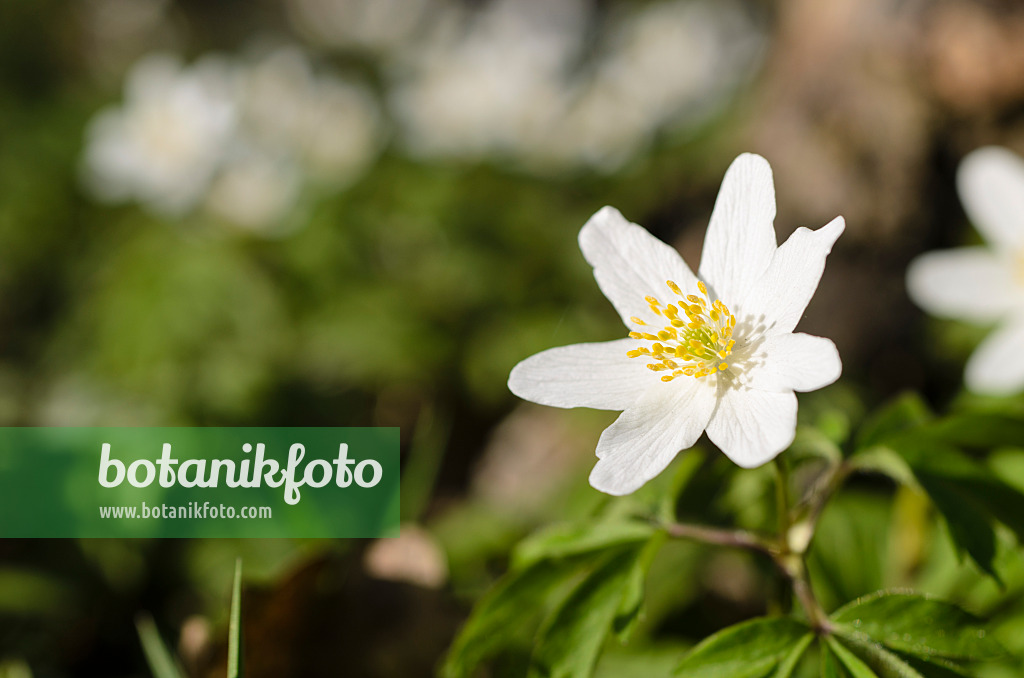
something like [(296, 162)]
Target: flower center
[(696, 339)]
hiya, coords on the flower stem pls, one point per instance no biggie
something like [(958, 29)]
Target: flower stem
[(721, 537)]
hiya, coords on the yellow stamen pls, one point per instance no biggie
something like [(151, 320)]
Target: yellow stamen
[(703, 340)]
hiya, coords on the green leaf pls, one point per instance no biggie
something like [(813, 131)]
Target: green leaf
[(560, 541), (978, 429), (161, 662), (968, 495), (969, 525), (881, 661), (907, 412), (788, 665), (571, 639), (236, 659), (848, 659), (628, 614), (809, 442), (509, 611), (747, 650), (893, 664), (917, 625), (830, 667), (885, 460)]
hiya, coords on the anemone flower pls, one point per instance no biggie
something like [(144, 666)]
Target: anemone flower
[(711, 352), (984, 284)]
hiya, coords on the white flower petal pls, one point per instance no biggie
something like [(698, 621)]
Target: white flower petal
[(795, 362), (751, 426), (997, 366), (597, 375), (971, 283), (630, 263), (740, 240), (991, 186), (776, 302), (647, 436)]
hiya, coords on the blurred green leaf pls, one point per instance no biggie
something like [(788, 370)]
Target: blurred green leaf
[(572, 637), (852, 663), (236, 654), (908, 411), (886, 461), (628, 614), (880, 661), (853, 522), (811, 442), (788, 665), (561, 540), (509, 612), (969, 525), (967, 494), (14, 668), (917, 625), (644, 662), (161, 662), (747, 650), (978, 429)]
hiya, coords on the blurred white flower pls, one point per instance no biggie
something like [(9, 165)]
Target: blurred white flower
[(491, 81), (342, 132), (511, 79), (163, 145), (695, 363), (330, 126), (254, 190), (374, 25), (666, 61), (240, 138), (984, 284)]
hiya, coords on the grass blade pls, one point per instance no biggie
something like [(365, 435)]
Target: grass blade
[(236, 667), (161, 661)]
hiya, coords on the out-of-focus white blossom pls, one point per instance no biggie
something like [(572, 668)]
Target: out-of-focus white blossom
[(374, 25), (254, 190), (666, 62), (163, 145), (329, 125), (240, 138), (512, 79), (984, 284), (490, 81)]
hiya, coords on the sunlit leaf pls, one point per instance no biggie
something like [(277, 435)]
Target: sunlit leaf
[(748, 650), (917, 625), (851, 662), (572, 637), (906, 412), (559, 541), (788, 664), (510, 611)]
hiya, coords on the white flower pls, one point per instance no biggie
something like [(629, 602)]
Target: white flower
[(716, 353), (164, 145), (984, 284), (255, 190)]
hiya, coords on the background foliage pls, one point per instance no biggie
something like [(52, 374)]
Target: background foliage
[(403, 295)]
